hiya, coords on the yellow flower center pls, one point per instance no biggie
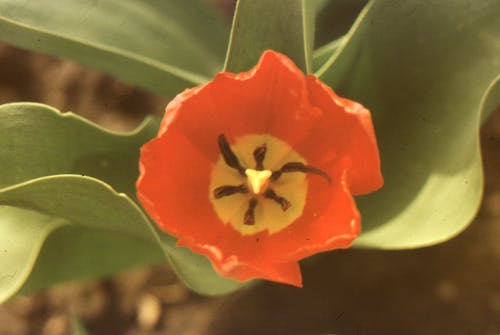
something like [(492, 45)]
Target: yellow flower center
[(267, 198)]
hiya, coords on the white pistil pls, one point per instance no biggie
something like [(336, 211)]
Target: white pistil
[(258, 180)]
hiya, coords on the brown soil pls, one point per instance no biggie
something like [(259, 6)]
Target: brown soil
[(452, 288)]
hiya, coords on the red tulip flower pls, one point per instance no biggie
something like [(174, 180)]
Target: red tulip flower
[(257, 170)]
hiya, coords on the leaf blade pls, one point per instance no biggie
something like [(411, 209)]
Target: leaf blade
[(408, 62), (290, 30), (66, 143), (12, 256), (161, 46)]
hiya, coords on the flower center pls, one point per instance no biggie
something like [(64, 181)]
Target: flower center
[(252, 190)]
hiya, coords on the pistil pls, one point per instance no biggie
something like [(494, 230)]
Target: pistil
[(258, 181)]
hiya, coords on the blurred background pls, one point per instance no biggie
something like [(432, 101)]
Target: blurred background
[(451, 288)]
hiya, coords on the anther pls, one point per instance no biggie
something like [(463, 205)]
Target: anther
[(229, 156), (259, 154), (270, 194), (226, 190), (249, 218), (300, 167)]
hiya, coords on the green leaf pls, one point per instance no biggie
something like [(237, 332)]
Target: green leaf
[(70, 227), (335, 18), (286, 26), (22, 233), (195, 270), (333, 21), (163, 46), (491, 99), (321, 55), (423, 68), (37, 140)]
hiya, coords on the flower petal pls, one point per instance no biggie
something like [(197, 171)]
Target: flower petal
[(173, 186), (233, 267), (330, 221), (266, 99), (342, 134)]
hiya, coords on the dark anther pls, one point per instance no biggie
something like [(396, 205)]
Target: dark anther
[(259, 154), (285, 204), (229, 156), (223, 191), (300, 167), (249, 218)]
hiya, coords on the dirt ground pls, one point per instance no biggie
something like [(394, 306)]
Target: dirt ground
[(452, 288)]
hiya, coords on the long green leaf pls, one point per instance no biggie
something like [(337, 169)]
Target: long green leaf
[(335, 18), (163, 46), (285, 26), (194, 269), (89, 230), (22, 235), (37, 140), (321, 55), (423, 69)]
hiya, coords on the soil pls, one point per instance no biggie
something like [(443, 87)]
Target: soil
[(451, 288)]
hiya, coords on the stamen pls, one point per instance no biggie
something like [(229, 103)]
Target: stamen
[(259, 154), (229, 156), (270, 194), (249, 218), (226, 190), (300, 167)]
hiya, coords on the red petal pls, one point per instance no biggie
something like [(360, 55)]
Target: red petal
[(330, 221), (174, 182), (342, 135), (271, 98), (234, 267)]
